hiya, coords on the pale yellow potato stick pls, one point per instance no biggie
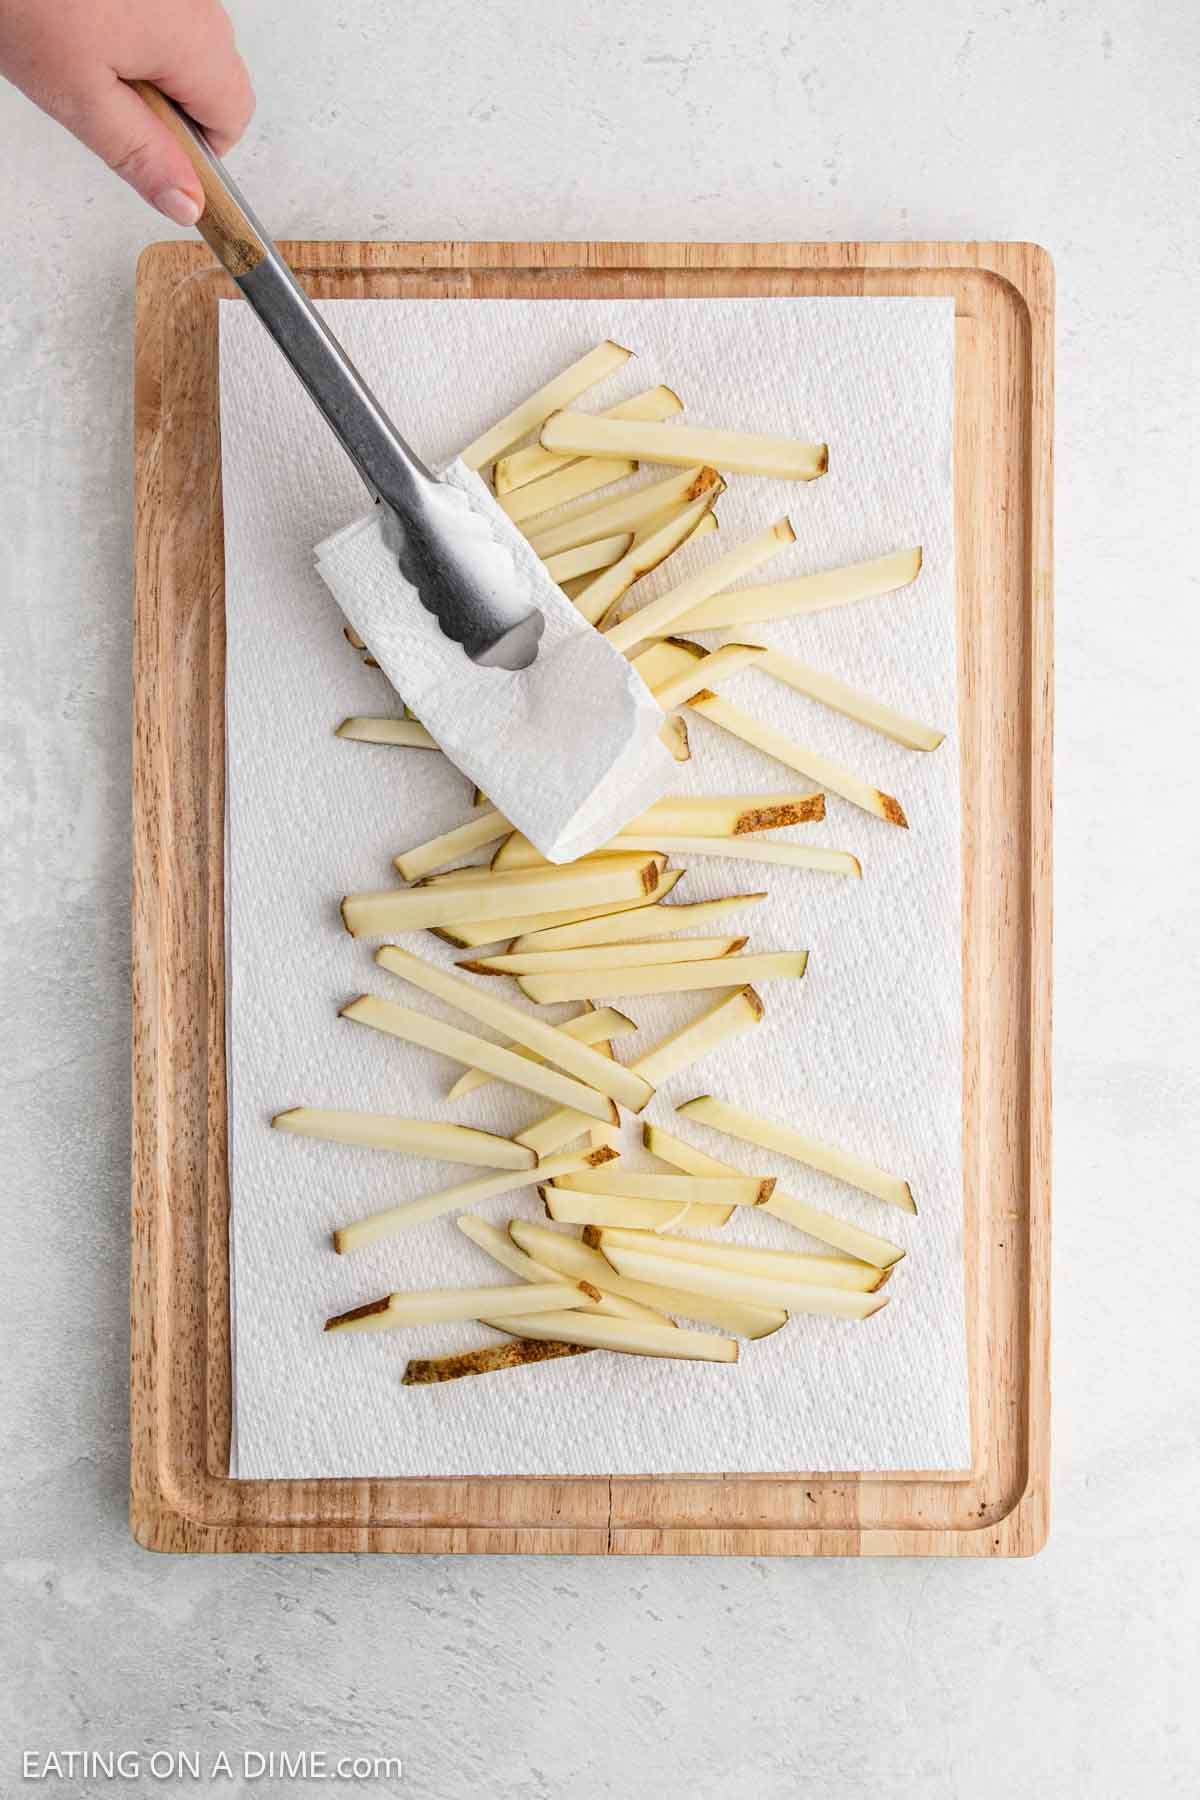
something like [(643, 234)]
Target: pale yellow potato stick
[(405, 733), (727, 815), (607, 956), (578, 478), (630, 1337), (795, 1265), (739, 452), (521, 891), (625, 512), (852, 703), (596, 366), (469, 935), (673, 978), (418, 1137), (465, 1194), (750, 847), (645, 554), (422, 859), (532, 463), (442, 1306), (806, 594), (768, 1134), (655, 922), (585, 559), (595, 1026), (749, 1290), (622, 1209), (663, 613), (727, 661), (682, 1190), (728, 1017), (500, 1247)]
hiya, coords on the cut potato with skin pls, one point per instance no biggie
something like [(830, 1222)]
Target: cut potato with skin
[(471, 934), (596, 1026), (627, 512), (631, 1337), (826, 690), (726, 815), (422, 859), (578, 478), (620, 1209), (726, 1018), (750, 848), (599, 956), (806, 762), (500, 1247), (489, 1359), (532, 463), (708, 524), (727, 661), (462, 1196), (739, 452), (555, 1130), (644, 555), (578, 1059), (668, 657), (596, 366), (750, 1290), (842, 1165), (418, 1137), (674, 978), (404, 732), (674, 735), (650, 922), (682, 1190), (660, 615), (441, 1306), (523, 891), (476, 1052), (866, 1246), (587, 558), (806, 594), (791, 1265)]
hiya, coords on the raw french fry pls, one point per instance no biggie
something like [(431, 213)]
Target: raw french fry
[(728, 1017), (524, 891), (791, 1265), (596, 366), (675, 736), (726, 815), (476, 1052), (667, 657), (516, 852), (681, 1190), (631, 1337), (826, 1227), (419, 1137), (439, 1306), (464, 1195), (750, 1290), (571, 483), (649, 922), (485, 828), (842, 1165), (723, 663), (614, 1209), (708, 524), (848, 701), (608, 956), (558, 1047), (796, 756), (500, 1247), (806, 594), (585, 559), (564, 1252), (404, 732), (555, 1130), (596, 1026), (676, 978), (752, 848), (661, 614), (626, 512), (532, 463), (645, 554), (469, 935), (741, 452), (518, 1353)]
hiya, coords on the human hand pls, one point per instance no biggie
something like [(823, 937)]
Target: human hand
[(74, 57)]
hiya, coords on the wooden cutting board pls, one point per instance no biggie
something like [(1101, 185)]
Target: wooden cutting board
[(181, 1496)]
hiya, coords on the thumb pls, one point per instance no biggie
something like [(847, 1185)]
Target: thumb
[(121, 129)]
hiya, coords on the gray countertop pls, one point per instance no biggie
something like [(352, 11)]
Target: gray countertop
[(1074, 1674)]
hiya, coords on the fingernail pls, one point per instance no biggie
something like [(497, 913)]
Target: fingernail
[(182, 208)]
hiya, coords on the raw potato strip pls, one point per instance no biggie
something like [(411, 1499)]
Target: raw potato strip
[(558, 1047), (500, 1247), (440, 1306), (807, 593), (708, 524), (608, 956), (852, 703), (842, 1165), (517, 1353), (651, 922), (826, 1227), (532, 463), (676, 978), (476, 1052), (465, 1194), (750, 848), (654, 619), (571, 483), (719, 666), (591, 1027), (479, 874), (674, 735), (419, 1137), (726, 1018), (668, 657), (726, 815), (741, 452), (404, 732), (630, 1337), (619, 1209), (793, 1265), (485, 828), (680, 1190), (596, 366), (563, 1252), (554, 1130), (502, 896), (806, 762), (585, 559), (749, 1290), (645, 554), (627, 512), (469, 935)]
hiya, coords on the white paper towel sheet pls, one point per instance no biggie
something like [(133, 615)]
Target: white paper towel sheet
[(865, 1052)]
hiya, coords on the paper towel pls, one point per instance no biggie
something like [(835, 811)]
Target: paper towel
[(568, 748), (864, 1052)]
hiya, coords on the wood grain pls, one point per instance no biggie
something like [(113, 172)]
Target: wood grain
[(181, 1497)]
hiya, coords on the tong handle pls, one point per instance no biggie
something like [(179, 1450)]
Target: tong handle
[(232, 237)]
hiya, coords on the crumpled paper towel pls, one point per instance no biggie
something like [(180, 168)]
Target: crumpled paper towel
[(568, 748), (865, 1051)]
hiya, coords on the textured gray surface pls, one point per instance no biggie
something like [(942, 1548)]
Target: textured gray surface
[(1072, 1675)]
